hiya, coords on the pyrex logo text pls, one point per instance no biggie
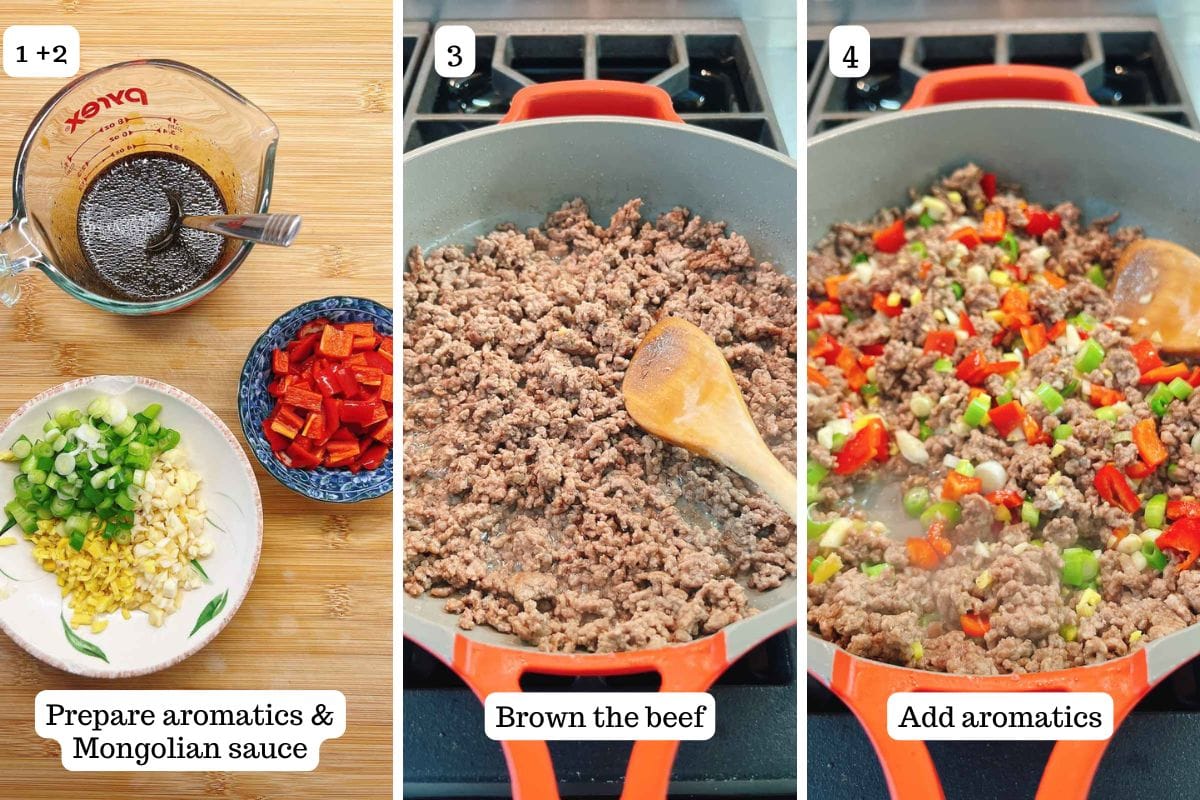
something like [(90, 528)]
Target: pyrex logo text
[(117, 98)]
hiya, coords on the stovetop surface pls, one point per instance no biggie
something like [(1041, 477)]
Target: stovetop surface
[(1127, 62)]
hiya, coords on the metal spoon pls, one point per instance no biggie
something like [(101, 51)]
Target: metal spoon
[(1158, 287), (679, 387), (275, 229)]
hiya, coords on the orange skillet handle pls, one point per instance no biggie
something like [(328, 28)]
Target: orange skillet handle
[(684, 668), (1072, 765), (999, 82), (608, 98), (865, 687)]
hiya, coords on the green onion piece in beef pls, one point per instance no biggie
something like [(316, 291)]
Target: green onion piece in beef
[(1080, 566), (1029, 514), (916, 500), (1049, 396), (1084, 321), (874, 570), (977, 410), (1154, 557), (1156, 511), (946, 510), (919, 248), (925, 221), (943, 365), (817, 526), (1180, 388), (1010, 246), (1160, 398), (1096, 275), (958, 290), (1091, 355), (1063, 432), (924, 431), (1108, 414), (859, 258)]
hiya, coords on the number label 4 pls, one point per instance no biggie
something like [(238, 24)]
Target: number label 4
[(849, 51)]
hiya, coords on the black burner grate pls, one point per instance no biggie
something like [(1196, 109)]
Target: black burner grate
[(1124, 61), (705, 65)]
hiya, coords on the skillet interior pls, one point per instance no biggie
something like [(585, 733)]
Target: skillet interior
[(464, 186)]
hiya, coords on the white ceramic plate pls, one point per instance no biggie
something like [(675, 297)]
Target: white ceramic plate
[(31, 605)]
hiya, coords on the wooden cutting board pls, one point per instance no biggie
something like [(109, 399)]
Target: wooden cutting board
[(319, 614)]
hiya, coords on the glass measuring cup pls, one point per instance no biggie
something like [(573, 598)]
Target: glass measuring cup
[(136, 107)]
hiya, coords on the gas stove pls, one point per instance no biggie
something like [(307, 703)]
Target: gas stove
[(708, 66), (1127, 63)]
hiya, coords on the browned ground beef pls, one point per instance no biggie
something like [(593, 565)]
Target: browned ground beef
[(1004, 572), (532, 500)]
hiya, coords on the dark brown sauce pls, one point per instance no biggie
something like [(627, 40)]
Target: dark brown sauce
[(127, 207)]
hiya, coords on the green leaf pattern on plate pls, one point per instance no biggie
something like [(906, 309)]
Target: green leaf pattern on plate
[(211, 610), (82, 645), (200, 570)]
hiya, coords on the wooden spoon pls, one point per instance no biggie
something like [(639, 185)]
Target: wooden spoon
[(1158, 287), (679, 387)]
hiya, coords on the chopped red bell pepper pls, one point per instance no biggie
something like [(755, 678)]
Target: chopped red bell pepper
[(276, 441), (921, 553), (880, 303), (1034, 433), (376, 361), (303, 456), (302, 398), (1115, 489), (856, 378), (1102, 396), (345, 379), (1139, 470), (1014, 300), (300, 349), (1146, 356), (936, 536), (956, 486), (1164, 374), (1035, 338), (974, 369), (358, 411), (1194, 378), (1178, 509), (359, 328), (335, 343), (988, 184), (974, 625), (279, 362), (867, 444), (992, 229), (1182, 536), (1009, 498), (385, 432), (385, 391), (889, 239), (314, 427), (1039, 221), (964, 322), (339, 453), (814, 376), (367, 376), (287, 422), (968, 236), (373, 457), (833, 285), (825, 348), (943, 342), (1007, 417), (1145, 436)]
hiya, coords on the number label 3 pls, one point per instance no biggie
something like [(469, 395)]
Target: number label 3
[(849, 51), (41, 51), (454, 51)]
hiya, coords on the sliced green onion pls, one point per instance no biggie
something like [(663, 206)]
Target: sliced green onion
[(1160, 399), (1096, 275), (1108, 414), (947, 511), (1080, 566), (1090, 357), (1084, 321), (22, 448), (874, 570), (1180, 388), (958, 290), (925, 221), (859, 258), (1029, 514), (1063, 432), (1010, 246), (1049, 396), (943, 365), (924, 431), (919, 248), (977, 410), (963, 467), (916, 500), (1154, 557), (1156, 511)]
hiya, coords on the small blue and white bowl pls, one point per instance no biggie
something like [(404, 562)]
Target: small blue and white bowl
[(254, 403)]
